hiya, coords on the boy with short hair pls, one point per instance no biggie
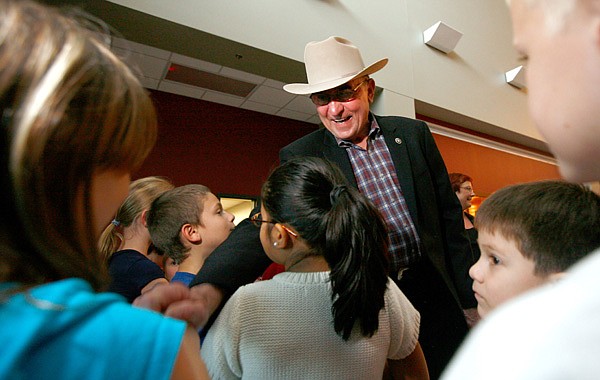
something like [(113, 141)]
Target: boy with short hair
[(529, 235), (187, 223)]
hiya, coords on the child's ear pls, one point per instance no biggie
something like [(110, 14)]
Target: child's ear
[(143, 218), (281, 236), (191, 233)]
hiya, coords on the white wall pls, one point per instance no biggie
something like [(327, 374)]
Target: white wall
[(468, 81)]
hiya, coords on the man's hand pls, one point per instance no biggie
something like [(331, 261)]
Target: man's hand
[(194, 305)]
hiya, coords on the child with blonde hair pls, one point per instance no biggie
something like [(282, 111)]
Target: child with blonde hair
[(126, 242)]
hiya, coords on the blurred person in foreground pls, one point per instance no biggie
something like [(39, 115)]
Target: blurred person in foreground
[(552, 332), (75, 123)]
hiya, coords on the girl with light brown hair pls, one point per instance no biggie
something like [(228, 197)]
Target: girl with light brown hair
[(75, 122)]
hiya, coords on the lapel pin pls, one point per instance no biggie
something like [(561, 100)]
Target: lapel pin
[(398, 140)]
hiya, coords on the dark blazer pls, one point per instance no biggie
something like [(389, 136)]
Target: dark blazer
[(422, 174), (434, 208)]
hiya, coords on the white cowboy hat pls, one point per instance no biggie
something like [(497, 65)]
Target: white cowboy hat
[(331, 63)]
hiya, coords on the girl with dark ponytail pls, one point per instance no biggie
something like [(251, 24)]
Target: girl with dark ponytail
[(333, 313)]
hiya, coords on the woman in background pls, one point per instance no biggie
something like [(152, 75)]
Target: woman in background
[(462, 185)]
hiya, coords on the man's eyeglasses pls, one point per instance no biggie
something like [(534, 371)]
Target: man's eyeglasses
[(345, 95), (468, 188), (257, 221)]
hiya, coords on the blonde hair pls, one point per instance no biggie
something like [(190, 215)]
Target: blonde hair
[(141, 194), (70, 109)]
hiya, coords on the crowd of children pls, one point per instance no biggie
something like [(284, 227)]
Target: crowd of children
[(77, 237)]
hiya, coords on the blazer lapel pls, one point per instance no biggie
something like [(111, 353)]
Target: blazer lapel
[(395, 140), (334, 153)]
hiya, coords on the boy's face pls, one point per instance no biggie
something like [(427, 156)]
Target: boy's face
[(216, 223), (563, 80), (170, 268), (501, 272)]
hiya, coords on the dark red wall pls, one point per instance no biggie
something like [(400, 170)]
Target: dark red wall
[(228, 149), (232, 150)]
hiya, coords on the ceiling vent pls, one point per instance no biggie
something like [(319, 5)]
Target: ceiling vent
[(210, 81)]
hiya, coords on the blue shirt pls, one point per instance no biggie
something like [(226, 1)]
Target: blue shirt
[(183, 277), (65, 330)]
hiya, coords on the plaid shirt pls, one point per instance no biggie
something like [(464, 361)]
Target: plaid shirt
[(377, 180)]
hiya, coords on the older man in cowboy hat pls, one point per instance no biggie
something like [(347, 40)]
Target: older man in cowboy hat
[(392, 160)]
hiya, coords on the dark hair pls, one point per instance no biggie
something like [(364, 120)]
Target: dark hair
[(343, 226), (553, 223), (457, 179), (169, 212)]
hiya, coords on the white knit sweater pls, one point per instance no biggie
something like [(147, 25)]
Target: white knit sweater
[(283, 329)]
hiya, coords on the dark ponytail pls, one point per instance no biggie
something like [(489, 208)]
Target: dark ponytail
[(339, 223)]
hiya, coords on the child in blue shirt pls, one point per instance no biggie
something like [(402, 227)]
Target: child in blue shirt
[(187, 224)]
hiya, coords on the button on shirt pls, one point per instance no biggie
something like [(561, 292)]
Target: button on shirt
[(376, 178)]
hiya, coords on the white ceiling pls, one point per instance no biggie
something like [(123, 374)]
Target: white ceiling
[(267, 97)]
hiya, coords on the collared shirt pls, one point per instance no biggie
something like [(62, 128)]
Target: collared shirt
[(376, 178)]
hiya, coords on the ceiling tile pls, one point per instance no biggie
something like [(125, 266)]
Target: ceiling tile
[(150, 83), (181, 89), (140, 48), (151, 67), (241, 75), (221, 98), (273, 83), (293, 114), (302, 103), (270, 95), (260, 107), (195, 63), (209, 81)]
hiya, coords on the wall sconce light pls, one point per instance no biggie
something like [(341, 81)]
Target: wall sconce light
[(516, 77), (441, 37)]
